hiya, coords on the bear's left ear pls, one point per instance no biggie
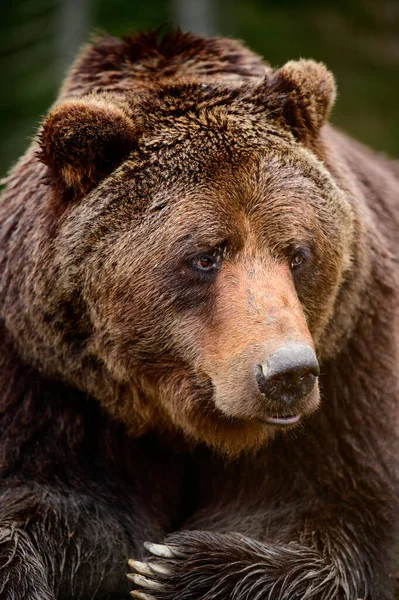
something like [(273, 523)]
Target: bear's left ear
[(305, 91), (83, 139)]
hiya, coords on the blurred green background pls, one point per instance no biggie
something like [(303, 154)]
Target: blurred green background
[(357, 39)]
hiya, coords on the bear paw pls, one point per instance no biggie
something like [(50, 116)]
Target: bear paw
[(152, 576), (222, 566)]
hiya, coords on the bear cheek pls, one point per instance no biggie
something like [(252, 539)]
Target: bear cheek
[(129, 337), (319, 295)]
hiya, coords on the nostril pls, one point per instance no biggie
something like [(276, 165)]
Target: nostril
[(299, 375), (308, 375)]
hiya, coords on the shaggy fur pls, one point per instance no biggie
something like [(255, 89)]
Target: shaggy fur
[(130, 409)]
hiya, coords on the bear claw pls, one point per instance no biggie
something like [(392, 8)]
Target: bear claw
[(159, 550), (141, 596), (157, 568), (145, 582), (140, 567)]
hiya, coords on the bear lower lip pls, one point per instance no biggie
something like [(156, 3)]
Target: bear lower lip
[(283, 421)]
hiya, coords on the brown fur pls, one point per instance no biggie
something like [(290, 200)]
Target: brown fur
[(157, 152)]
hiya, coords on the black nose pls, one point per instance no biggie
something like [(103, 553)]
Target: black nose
[(289, 374)]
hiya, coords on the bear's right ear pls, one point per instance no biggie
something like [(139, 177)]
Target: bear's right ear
[(84, 139), (305, 92)]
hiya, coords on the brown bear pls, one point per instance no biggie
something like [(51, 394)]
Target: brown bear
[(199, 333)]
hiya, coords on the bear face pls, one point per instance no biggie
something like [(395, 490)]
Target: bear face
[(216, 248)]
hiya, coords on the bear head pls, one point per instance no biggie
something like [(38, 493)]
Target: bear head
[(199, 253)]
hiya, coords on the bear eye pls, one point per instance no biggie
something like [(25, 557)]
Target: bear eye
[(208, 262), (205, 262), (297, 259)]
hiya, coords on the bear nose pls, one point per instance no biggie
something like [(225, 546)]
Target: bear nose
[(289, 374)]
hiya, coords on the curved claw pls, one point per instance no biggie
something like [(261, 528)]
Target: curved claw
[(141, 596), (159, 550), (147, 568), (140, 567), (160, 569), (144, 582)]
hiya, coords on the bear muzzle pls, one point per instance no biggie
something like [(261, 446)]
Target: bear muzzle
[(277, 391)]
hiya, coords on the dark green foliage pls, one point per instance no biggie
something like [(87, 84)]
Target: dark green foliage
[(358, 40)]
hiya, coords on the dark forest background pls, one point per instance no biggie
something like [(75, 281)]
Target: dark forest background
[(357, 39)]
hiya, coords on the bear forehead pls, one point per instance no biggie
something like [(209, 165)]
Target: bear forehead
[(190, 142), (187, 110), (219, 154), (213, 189)]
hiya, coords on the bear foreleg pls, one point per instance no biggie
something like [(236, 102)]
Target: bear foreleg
[(194, 565), (55, 543)]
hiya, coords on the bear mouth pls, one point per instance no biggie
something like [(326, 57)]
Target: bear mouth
[(283, 421)]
